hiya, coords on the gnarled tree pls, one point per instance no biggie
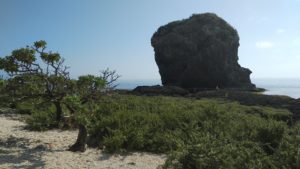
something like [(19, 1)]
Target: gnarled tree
[(35, 73), (80, 104)]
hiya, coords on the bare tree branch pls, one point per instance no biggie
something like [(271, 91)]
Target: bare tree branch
[(110, 77)]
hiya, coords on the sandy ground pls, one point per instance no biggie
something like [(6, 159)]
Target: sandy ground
[(20, 148)]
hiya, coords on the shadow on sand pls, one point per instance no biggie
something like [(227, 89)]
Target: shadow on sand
[(16, 153)]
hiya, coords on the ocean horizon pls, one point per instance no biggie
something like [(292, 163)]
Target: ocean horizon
[(274, 86)]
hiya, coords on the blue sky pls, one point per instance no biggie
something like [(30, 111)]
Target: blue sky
[(94, 34)]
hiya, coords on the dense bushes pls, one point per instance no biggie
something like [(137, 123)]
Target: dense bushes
[(206, 133), (41, 120), (212, 153), (42, 117)]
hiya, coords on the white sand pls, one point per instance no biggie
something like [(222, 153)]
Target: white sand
[(21, 148)]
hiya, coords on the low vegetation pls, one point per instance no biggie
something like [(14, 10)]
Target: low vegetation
[(199, 132), (195, 133)]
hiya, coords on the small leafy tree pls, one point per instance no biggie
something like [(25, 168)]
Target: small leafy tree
[(80, 104), (89, 90), (35, 73)]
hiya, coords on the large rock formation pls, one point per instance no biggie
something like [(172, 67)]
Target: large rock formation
[(199, 52)]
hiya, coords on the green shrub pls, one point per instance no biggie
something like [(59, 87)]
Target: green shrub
[(211, 153), (270, 135), (163, 124), (287, 155), (41, 120), (115, 141)]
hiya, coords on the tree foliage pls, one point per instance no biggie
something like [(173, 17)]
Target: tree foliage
[(37, 73)]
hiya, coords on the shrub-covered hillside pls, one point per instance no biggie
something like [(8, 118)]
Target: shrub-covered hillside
[(205, 133)]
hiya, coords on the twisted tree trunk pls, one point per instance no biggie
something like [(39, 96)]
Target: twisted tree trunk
[(59, 111), (81, 140)]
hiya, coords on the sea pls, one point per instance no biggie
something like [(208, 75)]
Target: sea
[(274, 86)]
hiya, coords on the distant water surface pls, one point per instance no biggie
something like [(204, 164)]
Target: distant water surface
[(288, 87), (131, 84)]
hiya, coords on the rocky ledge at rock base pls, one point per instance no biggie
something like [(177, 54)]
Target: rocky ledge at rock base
[(200, 52), (160, 90)]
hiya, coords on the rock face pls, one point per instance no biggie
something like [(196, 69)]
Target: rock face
[(199, 52)]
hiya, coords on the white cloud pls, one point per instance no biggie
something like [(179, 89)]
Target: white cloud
[(280, 31), (264, 44)]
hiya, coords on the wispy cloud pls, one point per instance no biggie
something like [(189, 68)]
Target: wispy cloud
[(264, 44), (280, 31)]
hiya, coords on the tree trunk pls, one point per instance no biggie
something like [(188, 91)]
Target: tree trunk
[(81, 140), (59, 112)]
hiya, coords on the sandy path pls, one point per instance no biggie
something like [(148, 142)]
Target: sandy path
[(21, 148)]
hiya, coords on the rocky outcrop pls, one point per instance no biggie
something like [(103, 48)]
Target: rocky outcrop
[(160, 90), (200, 52)]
